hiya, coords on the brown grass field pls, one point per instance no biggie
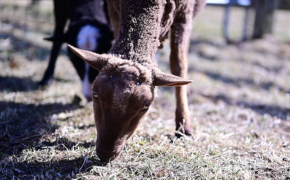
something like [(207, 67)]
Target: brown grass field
[(239, 104)]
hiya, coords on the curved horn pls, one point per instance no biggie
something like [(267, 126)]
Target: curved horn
[(165, 79), (95, 60)]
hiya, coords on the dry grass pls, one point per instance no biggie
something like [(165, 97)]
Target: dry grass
[(239, 104)]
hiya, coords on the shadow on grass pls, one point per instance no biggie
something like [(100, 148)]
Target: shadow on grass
[(63, 169), (16, 84), (272, 110), (199, 47), (27, 48), (22, 125), (240, 82), (274, 69), (196, 42), (21, 128), (64, 144), (22, 84)]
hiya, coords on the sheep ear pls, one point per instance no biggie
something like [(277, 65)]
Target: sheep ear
[(164, 79), (95, 60)]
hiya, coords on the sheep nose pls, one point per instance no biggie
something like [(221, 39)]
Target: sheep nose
[(105, 156)]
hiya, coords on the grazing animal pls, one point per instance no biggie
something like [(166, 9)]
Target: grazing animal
[(125, 87), (89, 29)]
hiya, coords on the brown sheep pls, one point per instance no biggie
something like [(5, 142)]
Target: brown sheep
[(125, 87)]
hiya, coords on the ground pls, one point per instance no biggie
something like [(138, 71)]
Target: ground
[(239, 104)]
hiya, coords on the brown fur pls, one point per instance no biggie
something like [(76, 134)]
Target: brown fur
[(128, 75)]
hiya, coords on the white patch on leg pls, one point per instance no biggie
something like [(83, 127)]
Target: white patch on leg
[(86, 85), (87, 40)]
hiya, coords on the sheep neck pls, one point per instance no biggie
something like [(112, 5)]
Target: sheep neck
[(139, 30)]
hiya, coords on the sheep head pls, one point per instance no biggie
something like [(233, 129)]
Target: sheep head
[(122, 94)]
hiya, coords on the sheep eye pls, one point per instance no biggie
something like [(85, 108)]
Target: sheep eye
[(95, 95), (146, 107), (113, 77)]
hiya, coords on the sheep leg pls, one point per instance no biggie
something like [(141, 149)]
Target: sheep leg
[(48, 75), (180, 35), (60, 18)]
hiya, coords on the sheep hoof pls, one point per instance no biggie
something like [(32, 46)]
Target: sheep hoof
[(185, 132)]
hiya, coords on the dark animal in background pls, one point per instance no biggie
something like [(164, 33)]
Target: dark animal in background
[(88, 29), (125, 87)]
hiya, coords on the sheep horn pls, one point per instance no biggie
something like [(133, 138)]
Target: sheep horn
[(165, 79), (97, 61)]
